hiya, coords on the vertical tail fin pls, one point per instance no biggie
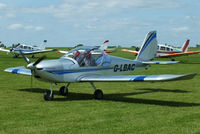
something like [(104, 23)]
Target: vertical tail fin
[(43, 46), (149, 47), (185, 46), (104, 46)]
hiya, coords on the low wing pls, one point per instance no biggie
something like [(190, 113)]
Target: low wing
[(135, 78), (4, 50), (179, 54), (160, 62), (39, 51), (63, 52), (19, 70), (130, 51)]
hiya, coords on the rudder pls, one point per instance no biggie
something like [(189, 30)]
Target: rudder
[(149, 47), (185, 46)]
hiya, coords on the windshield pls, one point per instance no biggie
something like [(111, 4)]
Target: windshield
[(89, 56)]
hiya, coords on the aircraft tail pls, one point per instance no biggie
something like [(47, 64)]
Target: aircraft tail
[(149, 47), (104, 46), (185, 46), (43, 46)]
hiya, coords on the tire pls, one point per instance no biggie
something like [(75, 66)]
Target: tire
[(47, 96), (98, 94), (63, 92)]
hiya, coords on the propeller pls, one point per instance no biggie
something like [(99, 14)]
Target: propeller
[(30, 65), (39, 60), (25, 58)]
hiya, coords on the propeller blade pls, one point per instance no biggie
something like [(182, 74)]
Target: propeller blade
[(39, 60), (25, 58)]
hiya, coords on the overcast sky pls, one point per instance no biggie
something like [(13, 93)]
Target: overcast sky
[(90, 22)]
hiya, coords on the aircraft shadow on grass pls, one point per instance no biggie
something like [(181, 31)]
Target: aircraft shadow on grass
[(121, 97)]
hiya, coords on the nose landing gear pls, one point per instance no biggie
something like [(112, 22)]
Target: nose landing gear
[(98, 94), (48, 95)]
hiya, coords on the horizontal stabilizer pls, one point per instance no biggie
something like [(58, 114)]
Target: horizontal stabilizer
[(19, 70), (160, 62), (136, 78)]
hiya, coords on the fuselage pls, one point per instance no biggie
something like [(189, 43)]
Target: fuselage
[(68, 70), (25, 49)]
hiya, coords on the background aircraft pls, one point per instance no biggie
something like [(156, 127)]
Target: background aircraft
[(169, 51), (27, 49), (90, 64), (103, 47)]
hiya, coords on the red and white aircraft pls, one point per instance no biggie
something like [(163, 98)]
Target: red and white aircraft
[(169, 51)]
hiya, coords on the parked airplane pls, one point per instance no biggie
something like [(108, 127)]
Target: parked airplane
[(27, 50), (90, 64), (103, 47), (169, 51)]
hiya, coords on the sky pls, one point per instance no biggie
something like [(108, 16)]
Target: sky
[(90, 22)]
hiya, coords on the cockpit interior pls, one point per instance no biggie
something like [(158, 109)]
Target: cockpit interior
[(88, 56)]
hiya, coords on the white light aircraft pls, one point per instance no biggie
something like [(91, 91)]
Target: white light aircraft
[(90, 64), (28, 50)]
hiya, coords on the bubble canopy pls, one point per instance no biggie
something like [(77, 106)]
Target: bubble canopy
[(89, 56)]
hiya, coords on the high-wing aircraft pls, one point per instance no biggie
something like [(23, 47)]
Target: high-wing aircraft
[(27, 49), (90, 64), (169, 51)]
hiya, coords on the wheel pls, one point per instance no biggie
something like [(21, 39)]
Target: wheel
[(15, 56), (33, 56), (63, 91), (173, 59), (47, 96), (98, 94)]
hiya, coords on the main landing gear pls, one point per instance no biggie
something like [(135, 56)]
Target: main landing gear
[(64, 90), (98, 94), (48, 95)]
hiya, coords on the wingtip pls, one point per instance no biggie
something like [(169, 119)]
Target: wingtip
[(188, 76)]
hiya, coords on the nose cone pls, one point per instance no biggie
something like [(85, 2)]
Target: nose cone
[(50, 65)]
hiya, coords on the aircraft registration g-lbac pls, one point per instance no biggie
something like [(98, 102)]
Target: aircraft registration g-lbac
[(90, 64), (27, 50), (165, 51)]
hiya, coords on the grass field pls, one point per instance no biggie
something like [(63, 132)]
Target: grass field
[(127, 108)]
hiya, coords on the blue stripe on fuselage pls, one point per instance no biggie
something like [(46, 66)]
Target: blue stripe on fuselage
[(24, 50), (60, 72)]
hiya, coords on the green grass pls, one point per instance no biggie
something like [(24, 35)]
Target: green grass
[(141, 108)]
